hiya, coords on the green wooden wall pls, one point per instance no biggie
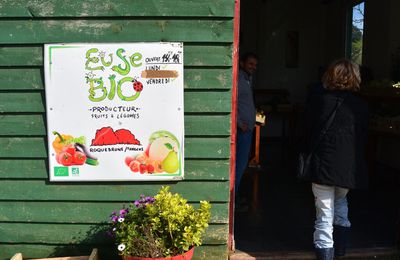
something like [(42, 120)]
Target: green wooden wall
[(41, 219)]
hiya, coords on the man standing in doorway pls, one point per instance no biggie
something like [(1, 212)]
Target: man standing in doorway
[(246, 116)]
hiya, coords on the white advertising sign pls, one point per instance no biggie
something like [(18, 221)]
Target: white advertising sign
[(115, 111)]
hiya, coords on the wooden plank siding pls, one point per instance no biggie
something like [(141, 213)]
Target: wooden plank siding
[(43, 219), (195, 78), (121, 8)]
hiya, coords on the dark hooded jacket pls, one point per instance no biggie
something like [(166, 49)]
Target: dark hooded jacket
[(339, 157)]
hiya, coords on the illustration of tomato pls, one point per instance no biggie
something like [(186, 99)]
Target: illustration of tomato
[(58, 158), (69, 148), (137, 86), (65, 158), (128, 160), (79, 158)]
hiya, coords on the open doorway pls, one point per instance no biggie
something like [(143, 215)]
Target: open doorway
[(295, 40)]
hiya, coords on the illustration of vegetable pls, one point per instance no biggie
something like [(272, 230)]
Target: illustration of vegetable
[(60, 141), (79, 158), (69, 156), (64, 158), (72, 151), (107, 136)]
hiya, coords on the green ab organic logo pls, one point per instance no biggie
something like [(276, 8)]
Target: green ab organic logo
[(60, 171)]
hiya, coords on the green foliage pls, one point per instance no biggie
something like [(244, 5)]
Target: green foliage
[(163, 226), (356, 34), (356, 45)]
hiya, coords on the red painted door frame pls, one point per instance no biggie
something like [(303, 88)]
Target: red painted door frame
[(235, 67)]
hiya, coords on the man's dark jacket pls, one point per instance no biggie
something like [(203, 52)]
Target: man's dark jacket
[(339, 158)]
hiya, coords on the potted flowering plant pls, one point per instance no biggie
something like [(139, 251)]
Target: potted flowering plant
[(163, 226)]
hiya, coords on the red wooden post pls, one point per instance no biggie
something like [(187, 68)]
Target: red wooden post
[(235, 64)]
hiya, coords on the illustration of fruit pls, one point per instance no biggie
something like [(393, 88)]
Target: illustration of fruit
[(161, 155), (150, 168), (171, 162), (142, 158), (160, 148), (147, 150), (158, 167), (163, 133), (143, 168), (134, 166), (128, 160)]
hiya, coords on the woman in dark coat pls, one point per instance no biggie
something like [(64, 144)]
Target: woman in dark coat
[(338, 158)]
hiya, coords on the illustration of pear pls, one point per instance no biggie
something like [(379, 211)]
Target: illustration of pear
[(171, 162), (163, 148)]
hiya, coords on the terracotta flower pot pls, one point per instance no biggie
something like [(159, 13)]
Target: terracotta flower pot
[(185, 256)]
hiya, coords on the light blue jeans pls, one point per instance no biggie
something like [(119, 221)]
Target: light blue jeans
[(243, 145), (331, 209)]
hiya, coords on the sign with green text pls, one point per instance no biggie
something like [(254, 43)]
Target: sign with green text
[(115, 111)]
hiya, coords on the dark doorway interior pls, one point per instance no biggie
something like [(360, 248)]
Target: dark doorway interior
[(295, 40), (285, 216)]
